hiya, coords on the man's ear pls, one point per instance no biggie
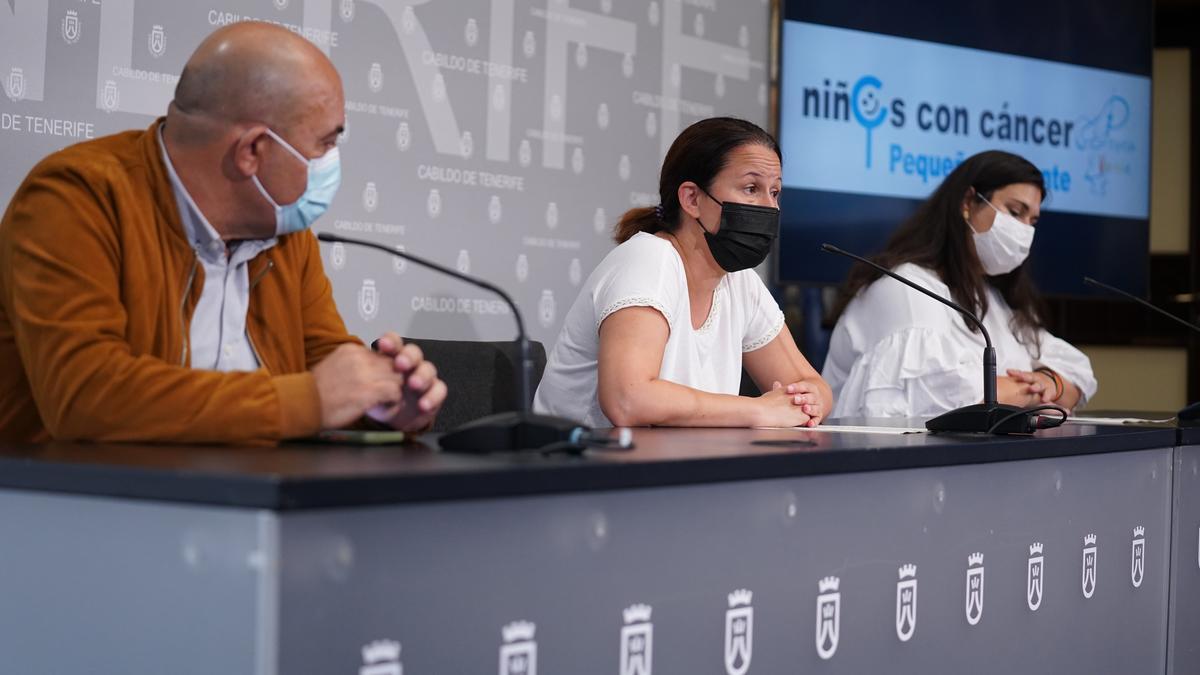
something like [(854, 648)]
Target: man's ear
[(248, 150), (689, 198)]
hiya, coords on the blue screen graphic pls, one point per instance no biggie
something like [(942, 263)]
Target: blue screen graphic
[(878, 106)]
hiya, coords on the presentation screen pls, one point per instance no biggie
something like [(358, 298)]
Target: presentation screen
[(880, 101)]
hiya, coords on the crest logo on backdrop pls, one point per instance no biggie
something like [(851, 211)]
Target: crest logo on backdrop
[(157, 41), (368, 300), (111, 97), (16, 84), (70, 27), (375, 77)]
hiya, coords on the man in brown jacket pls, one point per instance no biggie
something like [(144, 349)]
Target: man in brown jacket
[(163, 285)]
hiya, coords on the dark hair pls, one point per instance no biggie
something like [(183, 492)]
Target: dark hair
[(697, 155), (935, 237)]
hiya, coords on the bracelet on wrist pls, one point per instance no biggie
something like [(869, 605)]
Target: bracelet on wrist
[(1059, 387)]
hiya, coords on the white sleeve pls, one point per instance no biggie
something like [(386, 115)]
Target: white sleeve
[(913, 372), (638, 273), (764, 319), (1060, 356)]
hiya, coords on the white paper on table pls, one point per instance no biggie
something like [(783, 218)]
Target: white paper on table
[(1116, 421), (896, 431)]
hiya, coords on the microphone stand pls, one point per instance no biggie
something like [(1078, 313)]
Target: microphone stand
[(991, 416), (1190, 413), (501, 432)]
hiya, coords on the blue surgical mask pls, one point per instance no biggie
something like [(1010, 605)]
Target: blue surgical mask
[(324, 177)]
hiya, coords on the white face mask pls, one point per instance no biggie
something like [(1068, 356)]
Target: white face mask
[(1005, 246)]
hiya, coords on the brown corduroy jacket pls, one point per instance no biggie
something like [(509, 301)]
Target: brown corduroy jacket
[(97, 290)]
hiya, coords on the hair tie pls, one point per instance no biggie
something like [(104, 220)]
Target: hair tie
[(658, 212)]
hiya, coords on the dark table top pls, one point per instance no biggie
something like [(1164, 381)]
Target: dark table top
[(300, 476)]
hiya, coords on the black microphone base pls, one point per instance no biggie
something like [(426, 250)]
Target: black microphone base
[(981, 417), (1190, 416), (508, 432)]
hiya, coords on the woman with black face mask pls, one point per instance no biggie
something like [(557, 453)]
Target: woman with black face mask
[(665, 323)]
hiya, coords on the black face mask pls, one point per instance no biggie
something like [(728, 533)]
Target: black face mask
[(746, 234)]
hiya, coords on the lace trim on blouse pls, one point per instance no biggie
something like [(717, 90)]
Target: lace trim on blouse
[(767, 337), (713, 310), (636, 301)]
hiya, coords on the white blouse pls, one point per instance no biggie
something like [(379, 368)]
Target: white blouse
[(646, 271), (898, 353)]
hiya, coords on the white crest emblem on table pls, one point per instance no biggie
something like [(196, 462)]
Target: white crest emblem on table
[(739, 632), (974, 588), (346, 9), (906, 602), (1033, 580), (829, 606), (381, 657), (1137, 563), (1089, 565), (518, 653), (637, 641)]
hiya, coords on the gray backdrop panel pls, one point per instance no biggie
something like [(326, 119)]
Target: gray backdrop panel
[(504, 137)]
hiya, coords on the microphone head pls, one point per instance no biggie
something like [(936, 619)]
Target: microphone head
[(830, 248), (1090, 281), (325, 236)]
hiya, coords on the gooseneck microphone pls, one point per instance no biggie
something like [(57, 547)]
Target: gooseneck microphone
[(1130, 296), (991, 416), (521, 430), (1192, 412)]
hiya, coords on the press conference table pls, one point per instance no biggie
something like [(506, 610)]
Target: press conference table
[(701, 551)]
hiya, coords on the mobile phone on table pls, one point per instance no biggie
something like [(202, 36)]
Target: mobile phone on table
[(361, 436)]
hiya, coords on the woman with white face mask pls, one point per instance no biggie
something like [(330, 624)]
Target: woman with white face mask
[(895, 352)]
